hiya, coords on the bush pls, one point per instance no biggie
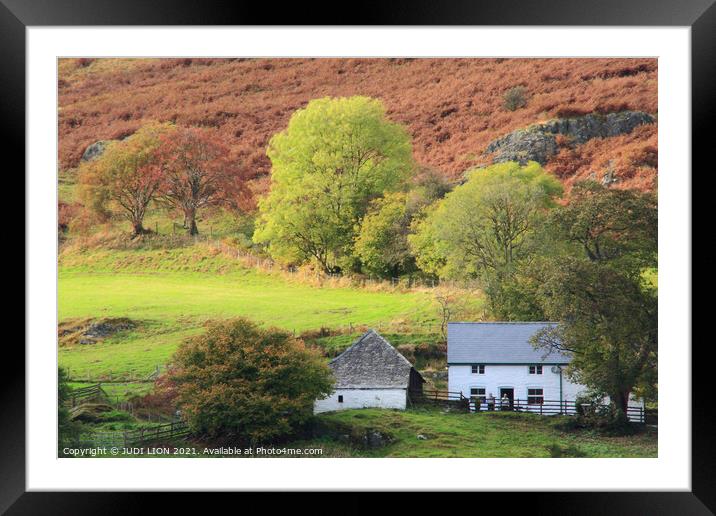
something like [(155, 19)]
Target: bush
[(247, 384), (515, 98), (560, 451)]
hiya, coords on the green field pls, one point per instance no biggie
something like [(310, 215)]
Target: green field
[(172, 293), (493, 434)]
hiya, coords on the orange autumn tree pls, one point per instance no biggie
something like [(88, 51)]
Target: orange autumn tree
[(198, 171), (126, 178), (247, 384)]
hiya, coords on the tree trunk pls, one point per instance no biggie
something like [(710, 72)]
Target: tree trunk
[(138, 229), (190, 221), (621, 402)]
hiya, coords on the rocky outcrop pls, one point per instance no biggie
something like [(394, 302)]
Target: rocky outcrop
[(539, 143), (524, 145), (95, 150), (88, 331)]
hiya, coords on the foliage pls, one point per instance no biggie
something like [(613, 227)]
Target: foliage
[(248, 100), (426, 186), (515, 98), (125, 178), (334, 157), (487, 227), (197, 171), (610, 224), (253, 384), (609, 325), (382, 243)]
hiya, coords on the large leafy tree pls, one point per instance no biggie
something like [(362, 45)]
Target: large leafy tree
[(252, 384), (335, 156), (125, 179), (487, 228), (197, 171), (608, 323), (598, 290)]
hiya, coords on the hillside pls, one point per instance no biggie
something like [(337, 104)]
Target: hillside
[(453, 108)]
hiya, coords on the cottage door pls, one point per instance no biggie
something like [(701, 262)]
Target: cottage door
[(510, 392)]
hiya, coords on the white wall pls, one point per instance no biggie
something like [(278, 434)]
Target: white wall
[(461, 379), (362, 398)]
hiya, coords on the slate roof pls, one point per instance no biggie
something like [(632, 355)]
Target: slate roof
[(498, 343), (371, 362)]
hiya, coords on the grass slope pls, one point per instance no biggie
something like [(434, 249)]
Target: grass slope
[(479, 435), (173, 293)]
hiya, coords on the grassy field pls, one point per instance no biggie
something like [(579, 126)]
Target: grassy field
[(172, 293), (493, 434)]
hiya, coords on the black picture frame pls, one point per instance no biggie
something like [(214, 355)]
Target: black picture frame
[(700, 15)]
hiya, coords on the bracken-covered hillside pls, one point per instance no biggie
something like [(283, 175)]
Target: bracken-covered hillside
[(452, 107)]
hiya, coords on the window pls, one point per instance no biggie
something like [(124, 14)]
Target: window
[(535, 396), (478, 369), (535, 369), (478, 393), (340, 398)]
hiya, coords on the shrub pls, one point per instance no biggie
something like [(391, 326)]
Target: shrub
[(247, 384), (515, 98), (560, 451)]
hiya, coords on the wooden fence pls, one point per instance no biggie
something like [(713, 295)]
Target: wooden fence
[(548, 408), (134, 438), (448, 399), (85, 394)]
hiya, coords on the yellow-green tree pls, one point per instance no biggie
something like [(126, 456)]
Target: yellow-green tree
[(334, 157), (486, 227)]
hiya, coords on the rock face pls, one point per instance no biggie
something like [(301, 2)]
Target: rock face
[(524, 145), (95, 150), (538, 142)]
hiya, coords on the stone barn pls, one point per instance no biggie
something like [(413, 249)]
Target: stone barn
[(370, 373)]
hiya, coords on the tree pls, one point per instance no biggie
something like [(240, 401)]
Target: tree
[(382, 243), (126, 177), (609, 324), (335, 156), (608, 308), (610, 224), (238, 380), (487, 227), (197, 171)]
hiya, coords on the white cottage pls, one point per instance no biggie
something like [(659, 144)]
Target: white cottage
[(497, 359), (370, 373)]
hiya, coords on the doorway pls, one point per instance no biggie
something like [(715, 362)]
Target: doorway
[(510, 393)]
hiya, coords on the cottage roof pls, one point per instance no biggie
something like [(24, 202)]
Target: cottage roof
[(371, 362), (498, 343)]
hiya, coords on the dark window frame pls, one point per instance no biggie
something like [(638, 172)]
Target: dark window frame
[(482, 397), (535, 369), (532, 396)]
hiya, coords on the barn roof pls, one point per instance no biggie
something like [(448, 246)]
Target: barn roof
[(371, 362), (498, 343)]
